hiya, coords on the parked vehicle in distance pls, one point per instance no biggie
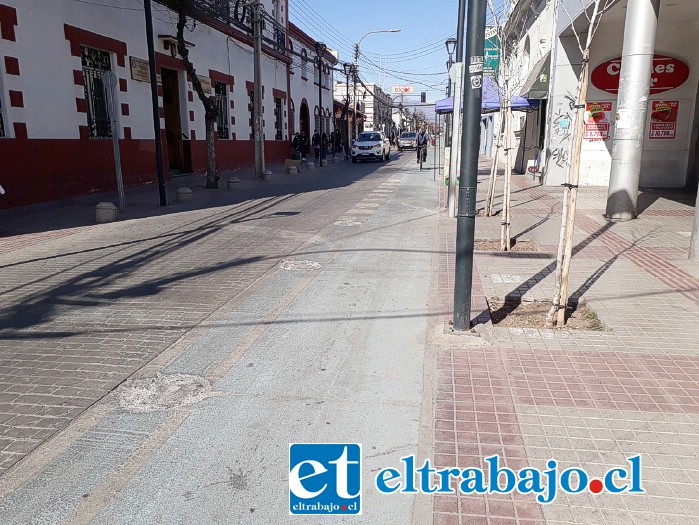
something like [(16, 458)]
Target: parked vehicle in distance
[(371, 145), (407, 140)]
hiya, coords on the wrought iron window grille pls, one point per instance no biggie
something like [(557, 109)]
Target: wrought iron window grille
[(96, 63)]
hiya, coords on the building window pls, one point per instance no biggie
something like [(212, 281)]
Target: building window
[(317, 121), (95, 64), (304, 65), (278, 120), (292, 128), (222, 119), (251, 94)]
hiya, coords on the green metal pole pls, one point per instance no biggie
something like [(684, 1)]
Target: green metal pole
[(470, 146)]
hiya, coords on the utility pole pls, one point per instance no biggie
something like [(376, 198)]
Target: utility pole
[(457, 71), (320, 49), (354, 77), (110, 82), (470, 142), (694, 244), (457, 114), (348, 69), (154, 100), (257, 97)]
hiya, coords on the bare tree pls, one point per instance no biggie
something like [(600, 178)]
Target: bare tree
[(504, 143), (209, 101), (557, 313)]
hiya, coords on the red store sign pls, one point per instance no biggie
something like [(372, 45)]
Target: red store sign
[(668, 73)]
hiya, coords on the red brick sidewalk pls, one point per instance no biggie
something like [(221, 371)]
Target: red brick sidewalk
[(587, 399)]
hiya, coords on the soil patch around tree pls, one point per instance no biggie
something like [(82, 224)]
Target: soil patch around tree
[(512, 312)]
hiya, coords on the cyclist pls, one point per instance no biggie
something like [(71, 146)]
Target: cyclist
[(422, 140)]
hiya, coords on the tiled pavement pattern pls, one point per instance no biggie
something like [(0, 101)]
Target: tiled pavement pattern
[(85, 307), (588, 399)]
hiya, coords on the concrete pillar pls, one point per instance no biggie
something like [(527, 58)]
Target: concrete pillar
[(632, 104), (694, 245)]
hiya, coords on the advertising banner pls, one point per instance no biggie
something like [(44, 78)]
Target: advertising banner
[(597, 121), (663, 119)]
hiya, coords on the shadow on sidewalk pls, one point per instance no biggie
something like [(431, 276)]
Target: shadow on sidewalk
[(143, 201), (513, 299)]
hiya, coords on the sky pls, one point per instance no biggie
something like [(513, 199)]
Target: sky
[(416, 55)]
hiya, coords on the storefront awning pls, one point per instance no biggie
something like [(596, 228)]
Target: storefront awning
[(492, 100), (537, 85)]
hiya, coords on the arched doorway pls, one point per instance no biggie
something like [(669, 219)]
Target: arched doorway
[(304, 119)]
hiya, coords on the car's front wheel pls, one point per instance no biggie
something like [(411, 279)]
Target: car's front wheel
[(354, 160)]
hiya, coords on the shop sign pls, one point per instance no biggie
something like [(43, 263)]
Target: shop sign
[(668, 73), (597, 121), (663, 119), (399, 90)]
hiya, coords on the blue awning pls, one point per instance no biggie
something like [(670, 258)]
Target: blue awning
[(492, 95)]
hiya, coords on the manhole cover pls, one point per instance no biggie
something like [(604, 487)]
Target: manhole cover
[(290, 264), (163, 392)]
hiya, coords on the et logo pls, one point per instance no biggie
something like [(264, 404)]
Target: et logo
[(325, 478)]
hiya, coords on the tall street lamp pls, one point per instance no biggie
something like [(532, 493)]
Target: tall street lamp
[(356, 68), (349, 70), (320, 50), (451, 47)]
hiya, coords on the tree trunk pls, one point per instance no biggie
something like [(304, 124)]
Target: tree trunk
[(505, 222), (208, 101), (557, 313), (211, 173), (492, 181)]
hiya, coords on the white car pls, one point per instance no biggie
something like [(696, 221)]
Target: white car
[(371, 145)]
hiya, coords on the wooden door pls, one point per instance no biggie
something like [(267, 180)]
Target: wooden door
[(173, 124)]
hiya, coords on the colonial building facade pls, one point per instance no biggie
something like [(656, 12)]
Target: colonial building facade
[(55, 131)]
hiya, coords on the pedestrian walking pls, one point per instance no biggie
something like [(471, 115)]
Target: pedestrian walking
[(296, 146), (315, 142), (303, 142), (324, 144)]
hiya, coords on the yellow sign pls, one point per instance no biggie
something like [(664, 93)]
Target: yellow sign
[(139, 69)]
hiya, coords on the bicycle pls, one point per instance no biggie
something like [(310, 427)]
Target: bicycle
[(422, 151)]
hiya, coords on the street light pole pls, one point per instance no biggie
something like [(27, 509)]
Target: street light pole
[(320, 49), (451, 45), (356, 67), (348, 69), (257, 97), (470, 142)]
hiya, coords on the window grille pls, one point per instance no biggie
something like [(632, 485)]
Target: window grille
[(95, 64), (278, 120), (222, 119)]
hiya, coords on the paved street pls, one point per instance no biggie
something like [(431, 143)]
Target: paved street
[(311, 308)]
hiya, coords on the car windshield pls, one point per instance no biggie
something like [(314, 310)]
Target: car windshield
[(368, 137), (408, 135)]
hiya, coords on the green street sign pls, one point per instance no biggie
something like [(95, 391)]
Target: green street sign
[(491, 54)]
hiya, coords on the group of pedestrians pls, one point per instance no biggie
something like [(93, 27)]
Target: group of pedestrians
[(321, 144)]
